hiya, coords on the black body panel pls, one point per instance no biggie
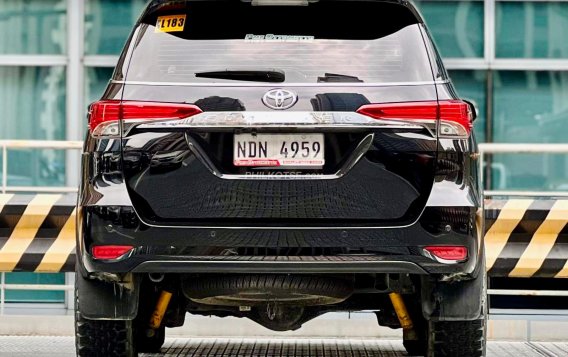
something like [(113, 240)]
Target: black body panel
[(109, 217), (388, 185)]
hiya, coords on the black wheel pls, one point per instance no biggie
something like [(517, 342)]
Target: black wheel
[(457, 338), (95, 338), (460, 338)]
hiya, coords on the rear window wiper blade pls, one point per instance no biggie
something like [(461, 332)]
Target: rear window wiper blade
[(334, 77), (271, 76)]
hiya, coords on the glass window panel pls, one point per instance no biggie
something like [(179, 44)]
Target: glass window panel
[(472, 85), (457, 26), (33, 26), (531, 29), (35, 296), (109, 23), (96, 81), (529, 172), (530, 107), (33, 107)]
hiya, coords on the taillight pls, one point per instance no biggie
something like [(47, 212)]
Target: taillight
[(456, 117), (447, 254), (105, 114), (110, 252)]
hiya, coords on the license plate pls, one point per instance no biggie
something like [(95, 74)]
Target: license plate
[(299, 150)]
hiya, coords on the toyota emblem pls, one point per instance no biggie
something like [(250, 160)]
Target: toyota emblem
[(279, 99)]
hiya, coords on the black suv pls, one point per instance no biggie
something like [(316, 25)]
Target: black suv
[(277, 160)]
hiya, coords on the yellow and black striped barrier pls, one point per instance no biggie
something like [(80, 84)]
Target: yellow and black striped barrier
[(525, 237), (37, 233)]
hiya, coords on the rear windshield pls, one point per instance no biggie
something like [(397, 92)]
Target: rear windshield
[(350, 41)]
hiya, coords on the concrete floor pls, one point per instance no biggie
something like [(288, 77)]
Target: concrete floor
[(502, 327), (332, 335), (250, 347)]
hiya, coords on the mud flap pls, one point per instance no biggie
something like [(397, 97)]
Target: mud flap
[(454, 301), (108, 301)]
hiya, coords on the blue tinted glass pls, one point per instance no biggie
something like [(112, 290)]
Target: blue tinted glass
[(33, 107), (96, 81), (35, 296), (33, 26), (532, 30), (530, 107), (472, 86), (109, 23), (457, 26)]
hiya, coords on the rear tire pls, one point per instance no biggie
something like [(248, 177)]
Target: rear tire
[(461, 338), (457, 338), (464, 338), (94, 338), (447, 338)]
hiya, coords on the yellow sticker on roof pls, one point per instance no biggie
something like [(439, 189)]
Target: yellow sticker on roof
[(172, 23)]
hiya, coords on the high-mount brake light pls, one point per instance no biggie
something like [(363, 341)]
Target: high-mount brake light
[(104, 115), (456, 117)]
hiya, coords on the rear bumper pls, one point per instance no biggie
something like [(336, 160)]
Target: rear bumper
[(278, 249), (322, 265)]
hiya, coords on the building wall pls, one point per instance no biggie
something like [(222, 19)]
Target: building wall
[(509, 57)]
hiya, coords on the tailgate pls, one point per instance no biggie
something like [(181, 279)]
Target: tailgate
[(371, 172)]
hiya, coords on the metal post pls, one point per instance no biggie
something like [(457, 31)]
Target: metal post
[(487, 183), (75, 90), (4, 168), (74, 101), (2, 293), (489, 31), (69, 293), (489, 56), (482, 169)]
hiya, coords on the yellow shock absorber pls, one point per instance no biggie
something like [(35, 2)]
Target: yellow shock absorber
[(403, 316), (160, 309)]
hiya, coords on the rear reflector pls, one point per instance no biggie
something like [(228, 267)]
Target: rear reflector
[(110, 252), (455, 115), (106, 111), (448, 253)]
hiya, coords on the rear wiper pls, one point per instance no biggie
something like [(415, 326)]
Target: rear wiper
[(334, 77), (272, 75)]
